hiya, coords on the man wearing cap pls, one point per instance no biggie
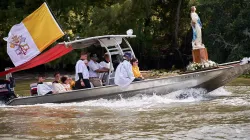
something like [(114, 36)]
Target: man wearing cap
[(94, 69), (124, 74), (82, 73)]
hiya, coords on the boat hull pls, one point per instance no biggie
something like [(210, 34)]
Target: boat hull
[(209, 80)]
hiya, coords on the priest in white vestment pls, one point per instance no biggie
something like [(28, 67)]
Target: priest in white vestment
[(124, 74), (44, 88)]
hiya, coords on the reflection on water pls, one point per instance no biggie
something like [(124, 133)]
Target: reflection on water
[(222, 114)]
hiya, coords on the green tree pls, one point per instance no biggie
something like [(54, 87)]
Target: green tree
[(162, 27), (226, 30)]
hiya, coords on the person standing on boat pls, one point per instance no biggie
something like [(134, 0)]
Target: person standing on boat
[(43, 88), (94, 69), (196, 26), (124, 74), (106, 64), (82, 73)]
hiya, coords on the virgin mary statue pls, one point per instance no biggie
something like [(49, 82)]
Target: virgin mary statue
[(196, 26)]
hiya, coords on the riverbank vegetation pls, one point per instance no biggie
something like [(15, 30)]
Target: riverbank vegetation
[(162, 27)]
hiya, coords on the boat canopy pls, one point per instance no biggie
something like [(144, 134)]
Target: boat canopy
[(106, 40)]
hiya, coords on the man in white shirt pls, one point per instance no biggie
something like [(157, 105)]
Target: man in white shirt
[(106, 64), (124, 74), (42, 87), (82, 73), (94, 69)]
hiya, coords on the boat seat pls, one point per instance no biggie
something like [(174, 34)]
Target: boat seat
[(33, 89)]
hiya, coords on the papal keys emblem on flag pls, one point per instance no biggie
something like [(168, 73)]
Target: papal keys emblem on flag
[(18, 43)]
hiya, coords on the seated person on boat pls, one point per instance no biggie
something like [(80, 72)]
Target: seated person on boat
[(136, 71), (82, 73), (94, 69), (124, 74), (56, 85), (44, 88), (65, 82), (57, 77), (72, 83), (106, 64)]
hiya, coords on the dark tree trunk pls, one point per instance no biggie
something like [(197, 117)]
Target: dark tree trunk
[(176, 44), (176, 35)]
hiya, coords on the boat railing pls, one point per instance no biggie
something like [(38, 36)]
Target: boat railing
[(116, 50), (229, 63)]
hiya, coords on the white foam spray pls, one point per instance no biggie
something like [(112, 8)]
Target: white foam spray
[(143, 101)]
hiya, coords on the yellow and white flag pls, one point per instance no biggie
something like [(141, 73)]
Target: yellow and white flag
[(34, 34)]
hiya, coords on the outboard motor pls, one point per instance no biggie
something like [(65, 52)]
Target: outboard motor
[(7, 90)]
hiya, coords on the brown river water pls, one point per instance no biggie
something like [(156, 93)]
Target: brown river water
[(221, 114)]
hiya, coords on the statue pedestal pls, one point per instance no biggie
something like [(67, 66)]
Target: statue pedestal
[(200, 55)]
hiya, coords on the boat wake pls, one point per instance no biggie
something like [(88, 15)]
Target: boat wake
[(145, 101), (2, 104)]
